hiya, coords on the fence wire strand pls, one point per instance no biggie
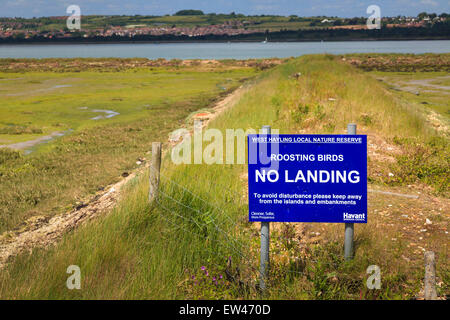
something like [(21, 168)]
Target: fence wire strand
[(216, 207), (209, 203), (235, 250)]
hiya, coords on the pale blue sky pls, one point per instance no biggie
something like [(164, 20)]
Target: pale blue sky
[(342, 8)]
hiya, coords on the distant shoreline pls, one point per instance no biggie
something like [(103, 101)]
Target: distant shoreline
[(78, 42), (334, 35)]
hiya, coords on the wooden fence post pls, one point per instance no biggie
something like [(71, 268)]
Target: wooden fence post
[(430, 276), (155, 168)]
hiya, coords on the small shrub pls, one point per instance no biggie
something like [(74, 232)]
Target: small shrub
[(8, 155), (324, 272), (329, 127), (319, 114), (366, 119), (16, 130), (299, 113), (276, 101), (428, 163)]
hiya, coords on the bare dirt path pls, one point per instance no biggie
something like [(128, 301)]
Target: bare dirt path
[(42, 232)]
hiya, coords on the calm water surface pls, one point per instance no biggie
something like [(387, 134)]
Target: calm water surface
[(239, 50)]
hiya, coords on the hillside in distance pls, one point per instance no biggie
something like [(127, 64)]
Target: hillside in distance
[(189, 26)]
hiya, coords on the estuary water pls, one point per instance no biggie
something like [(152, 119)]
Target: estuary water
[(234, 50)]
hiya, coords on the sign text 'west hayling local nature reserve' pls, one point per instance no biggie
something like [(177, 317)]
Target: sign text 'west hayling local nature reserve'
[(307, 178)]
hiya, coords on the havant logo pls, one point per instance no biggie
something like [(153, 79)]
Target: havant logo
[(354, 216)]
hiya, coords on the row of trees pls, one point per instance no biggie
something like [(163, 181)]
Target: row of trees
[(423, 15), (192, 12)]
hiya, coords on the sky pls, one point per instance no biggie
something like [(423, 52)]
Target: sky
[(341, 8)]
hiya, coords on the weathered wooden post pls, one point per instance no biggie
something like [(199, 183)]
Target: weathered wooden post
[(349, 227), (265, 240), (155, 168), (430, 276)]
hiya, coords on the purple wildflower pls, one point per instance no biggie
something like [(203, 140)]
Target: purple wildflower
[(203, 268)]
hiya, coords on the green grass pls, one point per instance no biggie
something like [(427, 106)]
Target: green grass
[(35, 100), (56, 175), (152, 251)]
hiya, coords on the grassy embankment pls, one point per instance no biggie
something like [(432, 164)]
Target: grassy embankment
[(143, 251), (40, 97)]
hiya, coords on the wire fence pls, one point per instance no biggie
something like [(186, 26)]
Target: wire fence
[(231, 243), (177, 226), (193, 215), (209, 203)]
